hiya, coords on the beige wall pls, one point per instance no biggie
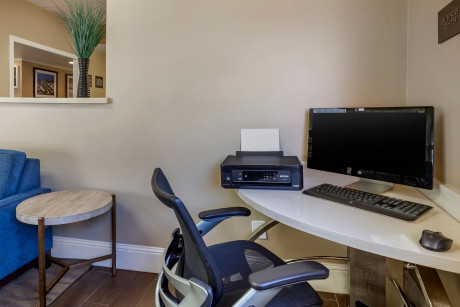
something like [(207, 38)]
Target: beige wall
[(205, 69), (433, 77), (433, 74), (27, 85), (182, 91), (25, 20), (97, 68)]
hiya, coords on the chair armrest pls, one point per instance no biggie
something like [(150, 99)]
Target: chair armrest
[(211, 218), (287, 274), (224, 212)]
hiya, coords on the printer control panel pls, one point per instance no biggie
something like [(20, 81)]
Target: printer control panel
[(262, 176)]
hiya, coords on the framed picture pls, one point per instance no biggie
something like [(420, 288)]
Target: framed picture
[(68, 85), (99, 81), (90, 80), (45, 83), (16, 76)]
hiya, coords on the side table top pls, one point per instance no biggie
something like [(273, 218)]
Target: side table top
[(64, 207)]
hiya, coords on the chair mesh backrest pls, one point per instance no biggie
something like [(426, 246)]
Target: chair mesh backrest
[(196, 261)]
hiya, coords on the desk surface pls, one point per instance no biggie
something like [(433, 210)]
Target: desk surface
[(64, 207), (357, 228)]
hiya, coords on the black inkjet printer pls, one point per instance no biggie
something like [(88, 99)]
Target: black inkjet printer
[(269, 170)]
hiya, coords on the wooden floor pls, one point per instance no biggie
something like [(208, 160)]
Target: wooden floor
[(334, 299), (98, 288)]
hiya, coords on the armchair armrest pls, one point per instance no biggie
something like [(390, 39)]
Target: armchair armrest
[(224, 212), (287, 274), (211, 218), (22, 196)]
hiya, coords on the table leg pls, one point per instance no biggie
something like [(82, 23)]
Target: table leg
[(41, 262), (114, 235)]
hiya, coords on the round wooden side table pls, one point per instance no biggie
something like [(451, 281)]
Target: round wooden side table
[(65, 207)]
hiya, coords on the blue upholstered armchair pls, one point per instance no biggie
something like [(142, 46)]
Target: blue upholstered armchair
[(19, 180)]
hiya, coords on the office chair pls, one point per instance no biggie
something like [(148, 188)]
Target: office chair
[(236, 273)]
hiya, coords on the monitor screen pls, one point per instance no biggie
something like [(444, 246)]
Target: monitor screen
[(387, 144)]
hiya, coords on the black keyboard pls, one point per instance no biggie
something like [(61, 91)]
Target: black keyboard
[(397, 208)]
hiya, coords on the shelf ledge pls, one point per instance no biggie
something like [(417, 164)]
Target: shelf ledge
[(54, 100)]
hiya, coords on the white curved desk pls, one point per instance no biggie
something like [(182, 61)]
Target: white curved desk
[(360, 229), (373, 239)]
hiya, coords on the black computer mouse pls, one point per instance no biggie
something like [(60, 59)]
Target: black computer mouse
[(435, 241)]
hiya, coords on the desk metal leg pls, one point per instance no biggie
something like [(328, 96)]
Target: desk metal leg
[(424, 287), (262, 228), (41, 262), (114, 236)]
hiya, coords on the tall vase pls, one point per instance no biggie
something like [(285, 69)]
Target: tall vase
[(83, 88)]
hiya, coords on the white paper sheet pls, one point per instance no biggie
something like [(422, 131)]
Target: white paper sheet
[(260, 140)]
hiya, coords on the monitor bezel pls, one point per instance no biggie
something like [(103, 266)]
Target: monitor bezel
[(425, 182)]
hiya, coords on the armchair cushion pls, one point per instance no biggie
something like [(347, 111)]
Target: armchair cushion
[(30, 176), (11, 166)]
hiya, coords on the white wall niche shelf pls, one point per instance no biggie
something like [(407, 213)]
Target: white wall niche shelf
[(14, 40), (28, 100), (41, 48)]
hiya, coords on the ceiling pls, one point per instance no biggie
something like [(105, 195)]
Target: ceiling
[(31, 54)]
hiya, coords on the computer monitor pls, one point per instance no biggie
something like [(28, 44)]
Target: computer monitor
[(385, 144)]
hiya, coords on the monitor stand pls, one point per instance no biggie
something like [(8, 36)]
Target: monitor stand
[(371, 186)]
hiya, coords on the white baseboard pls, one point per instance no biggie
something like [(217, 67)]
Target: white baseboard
[(129, 256), (148, 259)]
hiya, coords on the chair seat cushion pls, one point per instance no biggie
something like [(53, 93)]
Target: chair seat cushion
[(236, 260)]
